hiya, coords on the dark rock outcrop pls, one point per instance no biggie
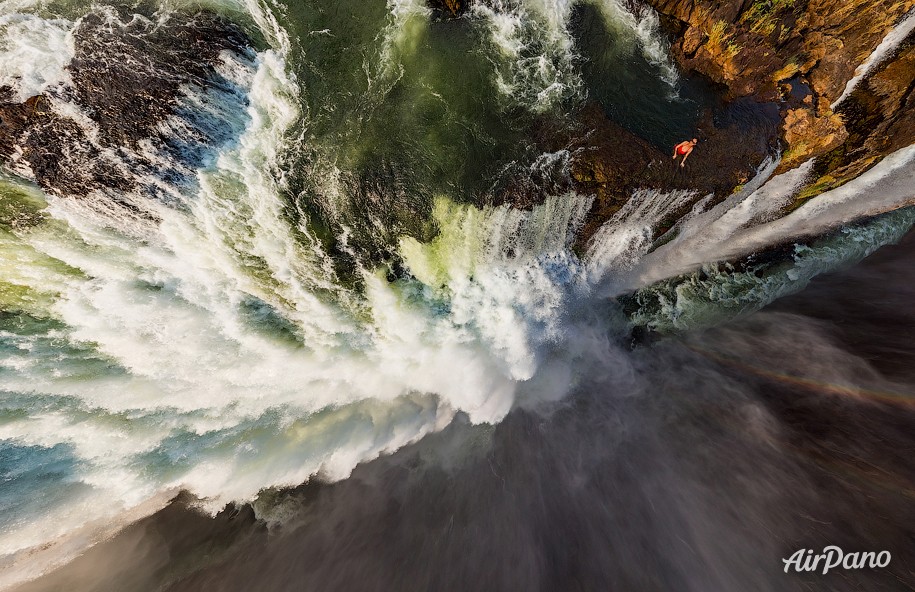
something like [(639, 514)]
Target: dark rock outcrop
[(53, 150), (610, 162), (127, 76), (450, 7)]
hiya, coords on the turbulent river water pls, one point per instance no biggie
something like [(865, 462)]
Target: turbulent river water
[(326, 281)]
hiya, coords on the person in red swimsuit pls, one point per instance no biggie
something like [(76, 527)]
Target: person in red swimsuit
[(684, 149)]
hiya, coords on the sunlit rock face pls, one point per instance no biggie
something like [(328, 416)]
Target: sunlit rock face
[(802, 54), (831, 81), (752, 46)]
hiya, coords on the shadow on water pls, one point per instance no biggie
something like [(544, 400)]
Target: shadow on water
[(713, 457)]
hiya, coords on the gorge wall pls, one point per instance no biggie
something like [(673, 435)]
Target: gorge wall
[(795, 58), (802, 54)]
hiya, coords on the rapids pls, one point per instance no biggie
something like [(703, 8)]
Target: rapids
[(315, 274)]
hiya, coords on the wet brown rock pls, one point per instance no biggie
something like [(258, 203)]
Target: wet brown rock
[(781, 64), (452, 7), (52, 150), (879, 117), (764, 48), (749, 46), (128, 76), (611, 163), (608, 162), (15, 119)]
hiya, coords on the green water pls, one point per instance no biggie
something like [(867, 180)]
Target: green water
[(401, 114)]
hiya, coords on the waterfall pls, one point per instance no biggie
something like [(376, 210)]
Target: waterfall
[(205, 330)]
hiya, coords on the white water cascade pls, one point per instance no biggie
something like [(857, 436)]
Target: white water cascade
[(211, 346)]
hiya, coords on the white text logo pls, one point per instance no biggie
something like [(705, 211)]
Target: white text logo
[(833, 557)]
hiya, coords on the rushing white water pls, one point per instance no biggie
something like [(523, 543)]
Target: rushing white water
[(705, 296), (645, 26), (204, 341), (33, 52), (161, 374), (897, 35), (407, 19), (627, 237), (534, 39), (750, 220)]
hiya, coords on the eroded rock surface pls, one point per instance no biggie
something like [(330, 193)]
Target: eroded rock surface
[(129, 75), (751, 45), (451, 7), (879, 118), (770, 48), (792, 57)]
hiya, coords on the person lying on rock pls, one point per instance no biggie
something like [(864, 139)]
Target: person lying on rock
[(684, 149)]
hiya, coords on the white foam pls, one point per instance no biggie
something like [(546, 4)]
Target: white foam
[(407, 21), (34, 53), (887, 186), (232, 408), (751, 219), (535, 50), (187, 392), (626, 238), (536, 57), (646, 28), (715, 292)]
